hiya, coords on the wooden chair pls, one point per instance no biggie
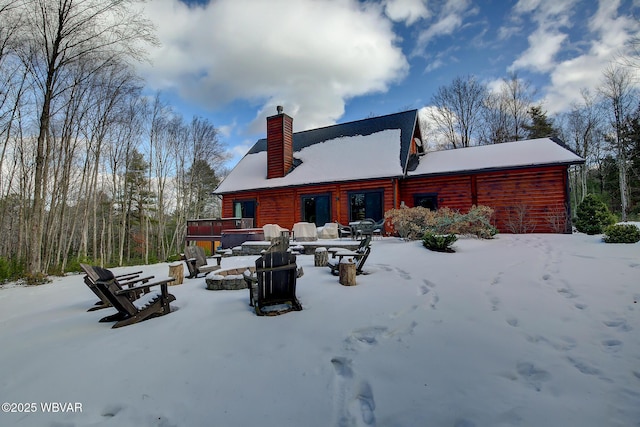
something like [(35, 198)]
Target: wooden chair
[(275, 280), (197, 262), (133, 310), (360, 255), (123, 280)]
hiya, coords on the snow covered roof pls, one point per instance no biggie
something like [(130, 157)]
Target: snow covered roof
[(519, 154), (370, 148), (378, 147)]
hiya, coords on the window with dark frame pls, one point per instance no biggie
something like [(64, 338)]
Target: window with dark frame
[(426, 200), (316, 208), (244, 208), (366, 204)]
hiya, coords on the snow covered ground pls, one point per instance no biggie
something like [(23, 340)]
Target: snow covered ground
[(522, 330)]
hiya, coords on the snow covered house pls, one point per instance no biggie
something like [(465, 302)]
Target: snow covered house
[(361, 169)]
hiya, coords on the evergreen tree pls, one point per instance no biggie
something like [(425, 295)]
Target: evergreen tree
[(631, 134), (541, 126), (592, 215), (202, 180)]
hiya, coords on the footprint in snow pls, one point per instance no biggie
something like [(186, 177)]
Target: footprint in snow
[(404, 274), (532, 375), (362, 406), (495, 303), (365, 337), (423, 290), (354, 404), (429, 283), (512, 321), (619, 324), (612, 345), (583, 367), (111, 410), (496, 280), (567, 293)]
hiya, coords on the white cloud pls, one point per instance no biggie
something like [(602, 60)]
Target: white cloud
[(408, 11), (543, 47), (448, 19), (610, 32), (547, 39), (571, 66), (308, 55)]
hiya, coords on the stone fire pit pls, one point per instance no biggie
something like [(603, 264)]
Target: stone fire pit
[(228, 279)]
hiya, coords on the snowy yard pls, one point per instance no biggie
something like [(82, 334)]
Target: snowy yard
[(522, 330)]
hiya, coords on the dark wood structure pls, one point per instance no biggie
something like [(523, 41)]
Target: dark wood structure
[(207, 233), (348, 172), (274, 284), (359, 257), (123, 281), (131, 309), (197, 262)]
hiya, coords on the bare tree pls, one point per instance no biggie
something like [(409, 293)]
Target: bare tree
[(55, 38), (495, 118), (582, 130), (505, 113), (618, 93), (458, 110), (516, 98)]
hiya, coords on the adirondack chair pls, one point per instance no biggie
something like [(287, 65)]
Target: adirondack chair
[(197, 262), (123, 280), (360, 255), (131, 310), (275, 276)]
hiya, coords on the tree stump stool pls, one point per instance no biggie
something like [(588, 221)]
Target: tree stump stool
[(176, 271), (321, 257), (347, 273)]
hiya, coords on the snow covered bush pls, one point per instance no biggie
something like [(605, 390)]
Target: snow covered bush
[(477, 222), (592, 215), (621, 233), (438, 242), (413, 223)]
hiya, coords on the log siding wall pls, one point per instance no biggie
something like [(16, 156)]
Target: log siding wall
[(524, 200), (532, 200), (282, 206)]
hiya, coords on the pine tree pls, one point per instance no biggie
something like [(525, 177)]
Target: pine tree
[(592, 215), (541, 126)]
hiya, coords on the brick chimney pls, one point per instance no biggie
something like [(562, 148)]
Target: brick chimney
[(279, 144)]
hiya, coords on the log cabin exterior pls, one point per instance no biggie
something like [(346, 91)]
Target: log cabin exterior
[(361, 169)]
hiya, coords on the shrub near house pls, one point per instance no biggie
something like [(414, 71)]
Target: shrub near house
[(413, 223), (592, 215), (621, 233)]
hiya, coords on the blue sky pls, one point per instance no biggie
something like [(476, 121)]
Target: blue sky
[(332, 61)]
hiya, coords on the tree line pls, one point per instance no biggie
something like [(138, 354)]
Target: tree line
[(603, 128), (91, 169)]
